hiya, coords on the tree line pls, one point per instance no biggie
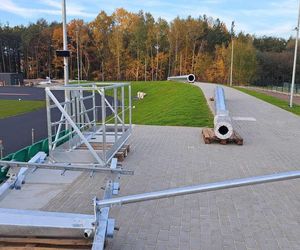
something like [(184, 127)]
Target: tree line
[(135, 46)]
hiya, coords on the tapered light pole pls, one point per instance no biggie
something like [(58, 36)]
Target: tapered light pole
[(231, 62), (65, 42), (66, 63), (295, 60), (78, 62)]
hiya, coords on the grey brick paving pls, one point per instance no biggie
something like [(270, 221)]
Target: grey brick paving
[(258, 217)]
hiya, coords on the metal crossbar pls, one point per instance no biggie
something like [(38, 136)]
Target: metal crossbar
[(66, 167)]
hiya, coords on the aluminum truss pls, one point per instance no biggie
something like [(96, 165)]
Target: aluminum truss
[(97, 124)]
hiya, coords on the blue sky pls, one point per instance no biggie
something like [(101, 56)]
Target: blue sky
[(274, 17)]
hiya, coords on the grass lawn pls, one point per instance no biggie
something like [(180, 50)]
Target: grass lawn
[(273, 100), (170, 103), (14, 107)]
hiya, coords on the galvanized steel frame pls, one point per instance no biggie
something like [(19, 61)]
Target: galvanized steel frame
[(74, 116)]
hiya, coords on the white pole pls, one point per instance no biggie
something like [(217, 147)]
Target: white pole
[(65, 42), (231, 66), (231, 63), (78, 66), (66, 65), (295, 60)]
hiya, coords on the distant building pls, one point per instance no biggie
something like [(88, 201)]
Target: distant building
[(7, 79)]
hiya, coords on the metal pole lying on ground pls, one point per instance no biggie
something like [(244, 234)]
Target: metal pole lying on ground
[(185, 78), (199, 188), (222, 121)]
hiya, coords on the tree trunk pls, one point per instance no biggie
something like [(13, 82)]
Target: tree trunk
[(180, 64), (145, 69), (102, 67), (193, 57), (152, 72)]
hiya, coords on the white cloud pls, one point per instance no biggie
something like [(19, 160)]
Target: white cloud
[(9, 6), (273, 17), (53, 8)]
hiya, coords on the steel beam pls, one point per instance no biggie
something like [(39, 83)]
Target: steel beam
[(199, 188), (31, 218), (67, 167)]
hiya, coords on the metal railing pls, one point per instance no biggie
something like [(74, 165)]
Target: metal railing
[(283, 87)]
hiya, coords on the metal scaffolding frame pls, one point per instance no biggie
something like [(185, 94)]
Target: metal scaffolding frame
[(94, 134), (98, 124), (100, 226)]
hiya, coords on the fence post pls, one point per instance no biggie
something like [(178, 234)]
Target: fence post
[(1, 149), (32, 135)]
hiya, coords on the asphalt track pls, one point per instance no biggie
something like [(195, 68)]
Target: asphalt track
[(24, 93), (15, 131)]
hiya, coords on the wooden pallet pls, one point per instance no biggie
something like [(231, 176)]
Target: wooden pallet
[(120, 155), (209, 137), (43, 243)]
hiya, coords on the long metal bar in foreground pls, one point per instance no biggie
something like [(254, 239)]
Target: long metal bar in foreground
[(222, 122), (185, 78), (199, 188)]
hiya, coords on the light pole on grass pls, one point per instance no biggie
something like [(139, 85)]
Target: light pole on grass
[(295, 60), (231, 61)]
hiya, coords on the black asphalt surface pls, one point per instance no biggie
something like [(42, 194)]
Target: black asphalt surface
[(23, 93), (15, 132)]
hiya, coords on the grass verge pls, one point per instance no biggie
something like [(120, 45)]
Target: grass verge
[(13, 107), (272, 100), (170, 103)]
